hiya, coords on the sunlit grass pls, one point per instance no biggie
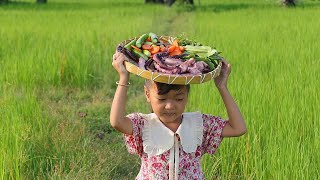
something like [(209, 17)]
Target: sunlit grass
[(275, 60), (54, 60), (55, 63)]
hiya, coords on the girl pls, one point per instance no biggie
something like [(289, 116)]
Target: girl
[(169, 141)]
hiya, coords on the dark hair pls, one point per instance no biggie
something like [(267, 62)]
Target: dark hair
[(165, 88)]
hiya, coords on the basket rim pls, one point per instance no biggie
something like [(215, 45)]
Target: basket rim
[(171, 78)]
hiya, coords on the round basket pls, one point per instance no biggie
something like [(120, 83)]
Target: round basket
[(170, 78)]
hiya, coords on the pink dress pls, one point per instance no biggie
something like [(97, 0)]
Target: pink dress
[(173, 155)]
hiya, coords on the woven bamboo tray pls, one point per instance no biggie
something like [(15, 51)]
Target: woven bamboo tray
[(171, 78)]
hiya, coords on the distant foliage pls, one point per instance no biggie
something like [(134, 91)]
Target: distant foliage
[(169, 2), (4, 1), (41, 1), (38, 1), (289, 2)]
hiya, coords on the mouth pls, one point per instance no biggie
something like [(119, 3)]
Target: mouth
[(169, 114)]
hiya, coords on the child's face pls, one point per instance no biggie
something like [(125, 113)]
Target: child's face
[(168, 107)]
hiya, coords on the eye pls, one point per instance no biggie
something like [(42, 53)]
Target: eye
[(161, 99), (179, 99)]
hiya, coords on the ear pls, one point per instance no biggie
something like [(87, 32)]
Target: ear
[(146, 93)]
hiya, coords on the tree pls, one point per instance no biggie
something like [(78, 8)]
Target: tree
[(289, 2), (154, 1), (4, 1), (168, 2), (41, 1), (38, 1)]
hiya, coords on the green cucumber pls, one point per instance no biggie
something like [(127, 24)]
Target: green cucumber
[(147, 42), (154, 37), (146, 52), (128, 46), (140, 54), (210, 64), (197, 58), (141, 40)]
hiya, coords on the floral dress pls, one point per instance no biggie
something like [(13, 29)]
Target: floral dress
[(173, 155)]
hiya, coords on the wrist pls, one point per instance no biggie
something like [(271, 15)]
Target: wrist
[(124, 78), (222, 88), (124, 85)]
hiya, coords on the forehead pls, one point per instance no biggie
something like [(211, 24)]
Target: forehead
[(154, 90)]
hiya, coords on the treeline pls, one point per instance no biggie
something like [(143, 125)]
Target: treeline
[(167, 2), (170, 2), (7, 1)]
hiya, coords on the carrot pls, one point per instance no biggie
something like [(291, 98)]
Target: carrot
[(175, 52), (136, 48), (181, 48), (147, 46), (171, 49), (162, 49), (149, 39), (175, 43), (155, 49)]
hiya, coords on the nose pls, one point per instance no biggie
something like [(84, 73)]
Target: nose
[(169, 105)]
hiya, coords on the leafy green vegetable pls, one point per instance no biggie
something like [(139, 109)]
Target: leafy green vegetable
[(201, 51), (183, 41)]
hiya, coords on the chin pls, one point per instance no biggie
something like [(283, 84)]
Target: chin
[(169, 118)]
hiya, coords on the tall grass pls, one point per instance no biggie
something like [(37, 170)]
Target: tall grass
[(275, 60), (55, 65), (54, 58)]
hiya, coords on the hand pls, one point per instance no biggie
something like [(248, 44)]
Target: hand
[(118, 64), (221, 80)]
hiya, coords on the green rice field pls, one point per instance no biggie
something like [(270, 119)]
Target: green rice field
[(57, 85)]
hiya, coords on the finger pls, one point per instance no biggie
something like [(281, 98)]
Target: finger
[(224, 61), (228, 68), (117, 56), (226, 64), (123, 57)]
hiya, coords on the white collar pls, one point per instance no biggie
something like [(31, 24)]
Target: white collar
[(157, 138)]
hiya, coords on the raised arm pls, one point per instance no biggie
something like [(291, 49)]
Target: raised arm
[(118, 120), (236, 125)]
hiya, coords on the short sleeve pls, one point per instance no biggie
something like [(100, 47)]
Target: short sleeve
[(212, 130), (134, 142)]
